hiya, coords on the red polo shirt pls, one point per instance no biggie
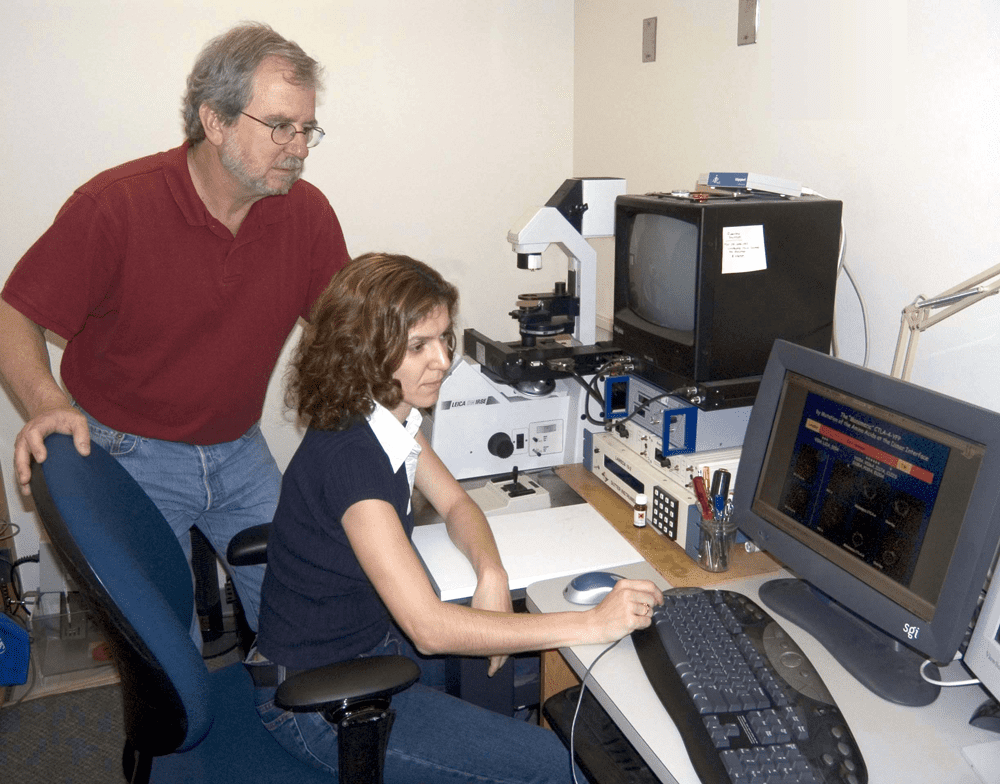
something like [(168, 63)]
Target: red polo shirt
[(173, 324)]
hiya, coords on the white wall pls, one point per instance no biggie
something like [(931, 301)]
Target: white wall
[(445, 120), (889, 106)]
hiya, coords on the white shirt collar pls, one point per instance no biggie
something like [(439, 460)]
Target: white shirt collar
[(398, 441)]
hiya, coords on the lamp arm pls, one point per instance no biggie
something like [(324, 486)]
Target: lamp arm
[(916, 317)]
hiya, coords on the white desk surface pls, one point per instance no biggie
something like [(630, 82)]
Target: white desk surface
[(906, 745), (536, 545)]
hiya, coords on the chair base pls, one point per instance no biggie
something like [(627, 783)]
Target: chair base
[(362, 742), (136, 766)]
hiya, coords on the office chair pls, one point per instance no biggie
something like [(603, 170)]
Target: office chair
[(182, 722)]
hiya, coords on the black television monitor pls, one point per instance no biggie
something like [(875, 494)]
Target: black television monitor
[(705, 284), (883, 497)]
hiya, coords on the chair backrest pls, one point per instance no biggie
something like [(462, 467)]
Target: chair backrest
[(129, 566)]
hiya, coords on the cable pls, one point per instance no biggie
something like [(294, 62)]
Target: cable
[(8, 530), (26, 559), (593, 392), (861, 302), (842, 267), (233, 647), (14, 579), (644, 406), (32, 664), (625, 364), (579, 702), (926, 677)]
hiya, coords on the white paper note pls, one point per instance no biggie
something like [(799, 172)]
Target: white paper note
[(743, 249)]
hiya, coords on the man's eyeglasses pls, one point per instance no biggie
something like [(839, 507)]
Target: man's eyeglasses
[(283, 133)]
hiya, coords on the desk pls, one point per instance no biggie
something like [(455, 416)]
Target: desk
[(899, 744), (558, 542)]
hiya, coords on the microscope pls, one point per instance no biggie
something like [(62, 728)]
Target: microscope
[(518, 405)]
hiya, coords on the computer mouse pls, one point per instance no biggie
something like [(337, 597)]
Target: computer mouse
[(590, 587), (987, 716)]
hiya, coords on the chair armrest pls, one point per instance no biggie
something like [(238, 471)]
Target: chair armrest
[(335, 685), (249, 546)]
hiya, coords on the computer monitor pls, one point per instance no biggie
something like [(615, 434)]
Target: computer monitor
[(883, 497), (705, 284)]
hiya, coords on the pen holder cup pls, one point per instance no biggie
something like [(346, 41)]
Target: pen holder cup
[(715, 543)]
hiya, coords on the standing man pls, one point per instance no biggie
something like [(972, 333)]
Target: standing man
[(175, 280)]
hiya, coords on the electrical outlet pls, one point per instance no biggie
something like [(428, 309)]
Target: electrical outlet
[(73, 618)]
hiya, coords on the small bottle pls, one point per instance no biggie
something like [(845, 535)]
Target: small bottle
[(639, 511)]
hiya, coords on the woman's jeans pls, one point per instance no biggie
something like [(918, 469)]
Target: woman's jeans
[(435, 739), (222, 489)]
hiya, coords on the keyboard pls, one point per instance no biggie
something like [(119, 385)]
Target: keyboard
[(747, 702)]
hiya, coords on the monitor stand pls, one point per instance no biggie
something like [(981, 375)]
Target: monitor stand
[(883, 665)]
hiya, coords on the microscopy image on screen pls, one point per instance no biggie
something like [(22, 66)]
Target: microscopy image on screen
[(865, 485)]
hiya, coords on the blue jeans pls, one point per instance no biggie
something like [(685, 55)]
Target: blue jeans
[(222, 489), (436, 738)]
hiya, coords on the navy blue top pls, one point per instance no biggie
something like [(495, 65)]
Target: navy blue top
[(317, 605)]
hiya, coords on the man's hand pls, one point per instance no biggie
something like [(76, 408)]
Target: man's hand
[(30, 442), (24, 365)]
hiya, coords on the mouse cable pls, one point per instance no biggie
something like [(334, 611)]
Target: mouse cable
[(933, 682), (579, 702)]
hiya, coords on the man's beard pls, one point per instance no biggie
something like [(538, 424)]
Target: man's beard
[(233, 162)]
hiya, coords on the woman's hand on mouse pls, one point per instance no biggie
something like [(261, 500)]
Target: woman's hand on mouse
[(628, 607)]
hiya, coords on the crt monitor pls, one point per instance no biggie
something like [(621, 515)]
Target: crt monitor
[(883, 496), (704, 284)]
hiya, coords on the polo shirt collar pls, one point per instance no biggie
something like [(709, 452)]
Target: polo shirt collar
[(175, 171), (271, 209), (397, 440)]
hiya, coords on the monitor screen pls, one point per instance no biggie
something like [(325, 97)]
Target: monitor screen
[(661, 275), (882, 494)]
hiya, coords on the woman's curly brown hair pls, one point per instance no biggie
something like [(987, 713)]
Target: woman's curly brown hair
[(358, 335)]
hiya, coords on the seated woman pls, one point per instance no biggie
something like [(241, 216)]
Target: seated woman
[(343, 579)]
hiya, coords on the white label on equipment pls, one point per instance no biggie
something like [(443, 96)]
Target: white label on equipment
[(743, 249)]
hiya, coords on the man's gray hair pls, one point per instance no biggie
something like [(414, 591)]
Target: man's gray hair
[(223, 74)]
